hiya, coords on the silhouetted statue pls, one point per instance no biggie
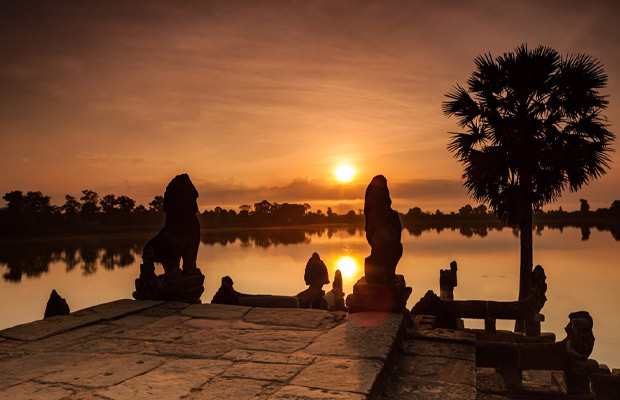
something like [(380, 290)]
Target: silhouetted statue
[(380, 289), (569, 355), (383, 231), (179, 239), (56, 305), (315, 276)]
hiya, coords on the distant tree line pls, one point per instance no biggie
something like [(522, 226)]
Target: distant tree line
[(33, 212), (469, 214)]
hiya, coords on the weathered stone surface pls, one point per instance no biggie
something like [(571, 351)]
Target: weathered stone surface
[(283, 341), (544, 381), (61, 341), (352, 338), (459, 351), (416, 389), (216, 311), (292, 392), (213, 349), (262, 371), (110, 346), (63, 323), (33, 390), (19, 370), (293, 317), (444, 334), (238, 389), (173, 380), (268, 357), (133, 321), (164, 309), (99, 371), (200, 323), (163, 329), (341, 374), (438, 369), (488, 380)]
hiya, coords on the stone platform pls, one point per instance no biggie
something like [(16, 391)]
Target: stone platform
[(170, 350)]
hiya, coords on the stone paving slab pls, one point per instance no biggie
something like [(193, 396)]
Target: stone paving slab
[(23, 369), (237, 389), (262, 371), (52, 326), (341, 374), (99, 371), (216, 311), (132, 349), (268, 357), (365, 335), (292, 392), (33, 390), (174, 380), (295, 317)]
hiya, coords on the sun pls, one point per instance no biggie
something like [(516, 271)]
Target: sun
[(344, 173), (347, 266)]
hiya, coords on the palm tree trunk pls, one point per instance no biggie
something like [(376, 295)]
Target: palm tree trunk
[(525, 234)]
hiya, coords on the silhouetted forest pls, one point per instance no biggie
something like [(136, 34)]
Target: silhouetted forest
[(33, 213)]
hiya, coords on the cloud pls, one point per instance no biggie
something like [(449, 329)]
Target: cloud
[(320, 191), (103, 159)]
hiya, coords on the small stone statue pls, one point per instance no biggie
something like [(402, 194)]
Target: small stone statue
[(380, 289), (383, 231), (179, 239), (315, 277), (56, 305)]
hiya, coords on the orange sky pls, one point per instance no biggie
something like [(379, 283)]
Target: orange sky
[(263, 99)]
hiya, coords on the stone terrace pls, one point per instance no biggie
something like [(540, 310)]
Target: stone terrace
[(152, 349)]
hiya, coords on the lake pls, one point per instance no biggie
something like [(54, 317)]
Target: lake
[(581, 274)]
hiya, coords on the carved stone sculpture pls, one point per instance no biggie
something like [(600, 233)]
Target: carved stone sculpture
[(383, 232), (315, 276), (56, 305), (178, 240), (380, 289)]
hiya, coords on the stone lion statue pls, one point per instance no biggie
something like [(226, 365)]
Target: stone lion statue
[(180, 237)]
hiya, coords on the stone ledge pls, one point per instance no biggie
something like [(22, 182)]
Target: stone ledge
[(52, 326), (353, 338)]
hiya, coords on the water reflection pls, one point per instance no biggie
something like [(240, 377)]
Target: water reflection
[(33, 258)]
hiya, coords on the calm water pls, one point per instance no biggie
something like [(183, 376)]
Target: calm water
[(581, 274)]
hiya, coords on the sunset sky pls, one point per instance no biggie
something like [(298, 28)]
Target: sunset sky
[(265, 99)]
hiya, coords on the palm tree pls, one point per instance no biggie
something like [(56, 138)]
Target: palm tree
[(532, 128)]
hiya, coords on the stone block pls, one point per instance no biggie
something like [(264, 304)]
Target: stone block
[(378, 296), (439, 369), (174, 380), (466, 352), (34, 366), (442, 334), (268, 357), (52, 326), (228, 388), (416, 389), (341, 374), (292, 392), (100, 371), (363, 335), (262, 371), (215, 311), (33, 390), (291, 317)]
